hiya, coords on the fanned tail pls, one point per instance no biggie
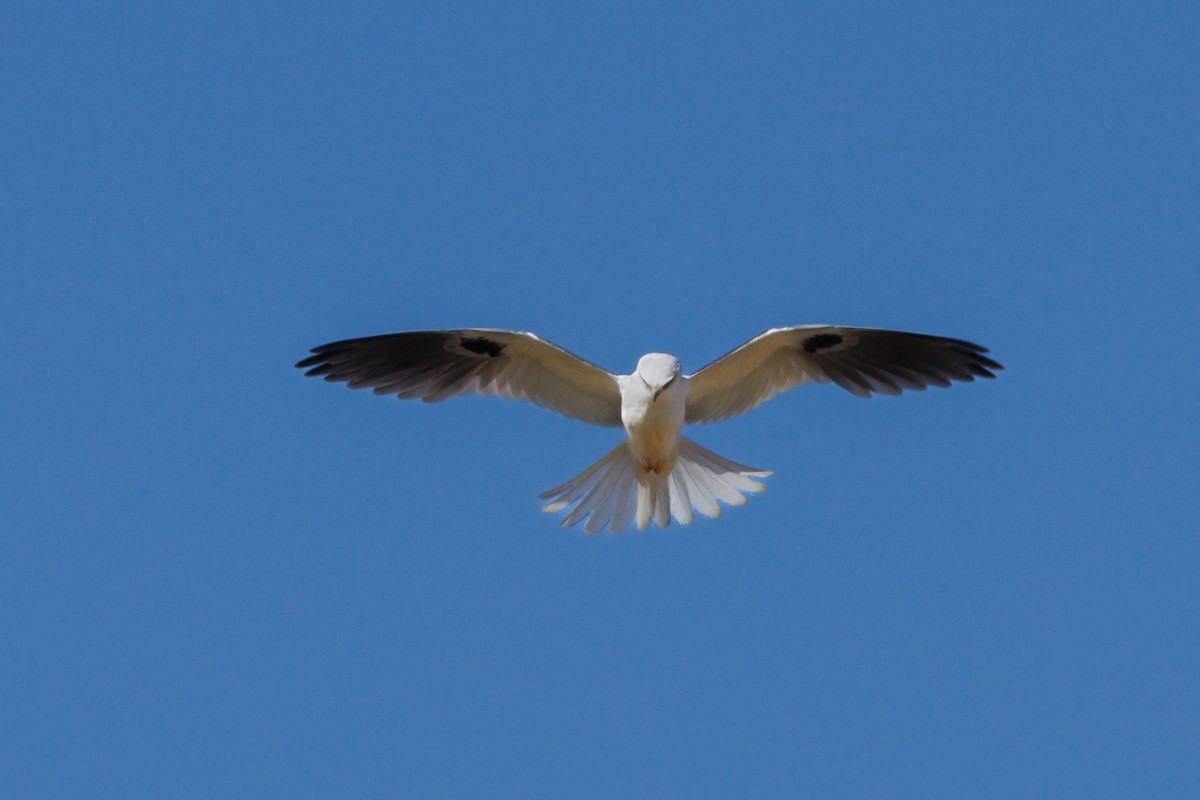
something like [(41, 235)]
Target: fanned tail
[(616, 491), (603, 493)]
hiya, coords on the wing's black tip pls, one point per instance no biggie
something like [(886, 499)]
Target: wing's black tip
[(320, 358)]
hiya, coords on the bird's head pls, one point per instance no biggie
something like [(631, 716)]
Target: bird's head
[(658, 371)]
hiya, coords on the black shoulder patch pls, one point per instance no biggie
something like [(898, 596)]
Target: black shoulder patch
[(822, 341), (483, 346)]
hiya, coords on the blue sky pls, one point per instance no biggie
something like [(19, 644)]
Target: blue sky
[(220, 579)]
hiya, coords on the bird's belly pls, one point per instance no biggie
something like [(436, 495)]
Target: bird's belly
[(653, 433), (654, 442)]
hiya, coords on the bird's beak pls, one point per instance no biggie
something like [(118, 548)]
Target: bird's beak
[(657, 392)]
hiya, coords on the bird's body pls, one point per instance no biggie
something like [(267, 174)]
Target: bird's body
[(656, 472), (652, 410)]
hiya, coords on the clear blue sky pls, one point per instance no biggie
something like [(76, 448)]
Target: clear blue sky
[(220, 579)]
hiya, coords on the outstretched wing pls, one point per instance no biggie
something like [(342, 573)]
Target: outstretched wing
[(860, 360), (438, 365)]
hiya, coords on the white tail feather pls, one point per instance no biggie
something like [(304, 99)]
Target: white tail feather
[(616, 491)]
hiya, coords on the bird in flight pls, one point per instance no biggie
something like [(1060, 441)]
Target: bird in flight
[(655, 472)]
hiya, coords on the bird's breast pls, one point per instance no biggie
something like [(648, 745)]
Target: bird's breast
[(653, 425)]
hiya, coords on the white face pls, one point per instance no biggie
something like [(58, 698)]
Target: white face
[(658, 369)]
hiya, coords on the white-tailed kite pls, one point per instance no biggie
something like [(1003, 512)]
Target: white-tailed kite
[(655, 473)]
